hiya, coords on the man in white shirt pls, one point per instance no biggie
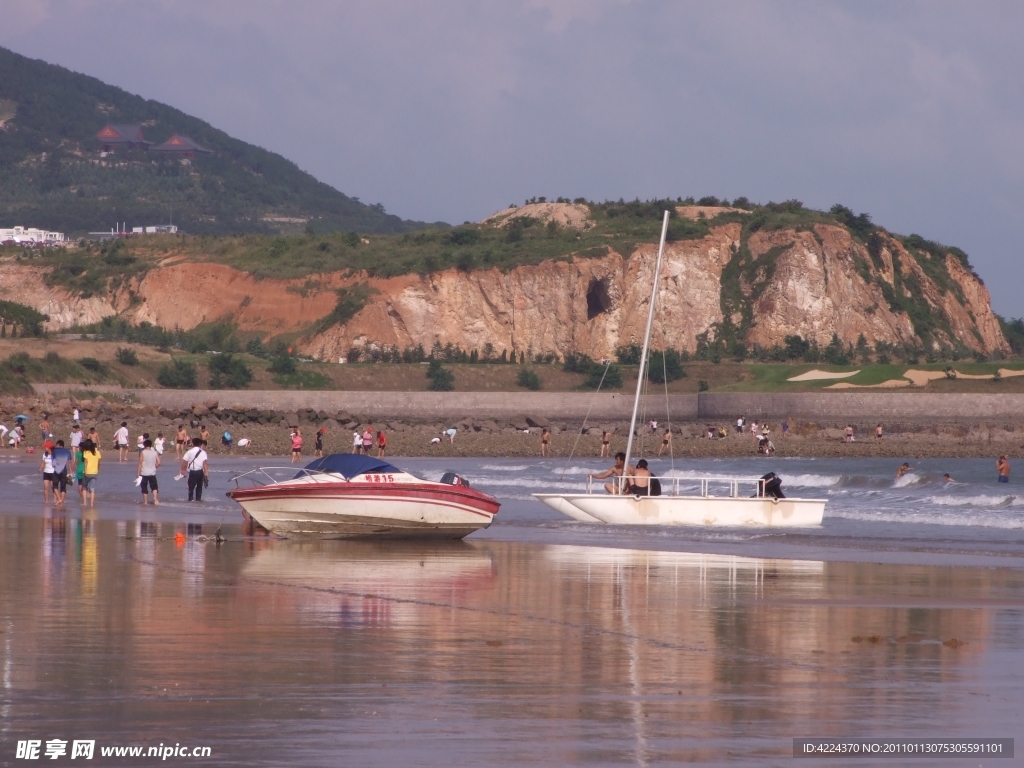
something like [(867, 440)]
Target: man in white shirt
[(121, 441), (357, 442), (195, 465), (76, 439), (149, 460)]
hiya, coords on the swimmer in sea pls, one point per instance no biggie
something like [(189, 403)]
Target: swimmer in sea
[(904, 468), (948, 479)]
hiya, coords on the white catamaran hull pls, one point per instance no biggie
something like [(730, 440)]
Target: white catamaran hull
[(696, 510), (559, 503)]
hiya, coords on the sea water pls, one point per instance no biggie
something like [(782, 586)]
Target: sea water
[(538, 641)]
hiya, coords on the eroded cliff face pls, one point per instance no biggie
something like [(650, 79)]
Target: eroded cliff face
[(814, 283)]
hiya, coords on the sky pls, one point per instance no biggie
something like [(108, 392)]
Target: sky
[(910, 111)]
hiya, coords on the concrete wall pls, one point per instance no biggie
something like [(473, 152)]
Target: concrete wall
[(708, 406), (413, 405)]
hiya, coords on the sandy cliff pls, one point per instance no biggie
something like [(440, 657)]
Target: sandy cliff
[(816, 281)]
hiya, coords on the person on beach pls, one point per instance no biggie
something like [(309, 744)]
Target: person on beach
[(710, 433), (180, 439), (666, 442), (62, 459), (878, 432), (17, 436), (44, 428), (296, 444), (606, 439), (753, 429), (159, 443), (1003, 468), (225, 440), (75, 415), (740, 424), (357, 442), (848, 433), (545, 441), (318, 443), (204, 434), (46, 467), (76, 438), (616, 472), (195, 465), (367, 440), (80, 473), (94, 436), (904, 468), (785, 427), (640, 479), (149, 461), (382, 444), (92, 457), (451, 431), (121, 442)]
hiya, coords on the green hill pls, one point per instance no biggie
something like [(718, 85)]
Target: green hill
[(52, 175)]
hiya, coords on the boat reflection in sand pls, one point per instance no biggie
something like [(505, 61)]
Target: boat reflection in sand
[(351, 496), (370, 582)]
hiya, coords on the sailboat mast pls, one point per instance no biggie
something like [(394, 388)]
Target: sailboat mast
[(647, 339)]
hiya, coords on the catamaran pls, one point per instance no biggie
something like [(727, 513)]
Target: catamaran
[(720, 500)]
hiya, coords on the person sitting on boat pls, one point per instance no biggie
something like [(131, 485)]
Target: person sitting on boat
[(640, 479), (616, 472)]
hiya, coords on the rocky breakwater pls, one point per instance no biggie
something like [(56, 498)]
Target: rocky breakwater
[(269, 433)]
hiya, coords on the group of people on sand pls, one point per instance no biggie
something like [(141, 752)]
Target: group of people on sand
[(78, 461)]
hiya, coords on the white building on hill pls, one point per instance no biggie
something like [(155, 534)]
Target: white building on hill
[(30, 236)]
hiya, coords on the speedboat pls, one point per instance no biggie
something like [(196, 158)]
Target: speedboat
[(346, 495)]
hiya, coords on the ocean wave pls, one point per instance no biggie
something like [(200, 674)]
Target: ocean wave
[(505, 467), (973, 501), (813, 481), (911, 478), (972, 520)]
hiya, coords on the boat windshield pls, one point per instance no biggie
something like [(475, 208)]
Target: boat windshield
[(348, 465)]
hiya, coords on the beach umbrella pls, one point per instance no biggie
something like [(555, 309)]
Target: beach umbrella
[(22, 417)]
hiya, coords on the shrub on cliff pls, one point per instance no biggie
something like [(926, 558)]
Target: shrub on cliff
[(126, 356), (528, 378), (177, 375), (603, 376), (283, 365), (230, 372), (665, 366), (441, 379)]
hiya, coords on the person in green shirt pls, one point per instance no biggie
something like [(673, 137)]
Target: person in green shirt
[(80, 473)]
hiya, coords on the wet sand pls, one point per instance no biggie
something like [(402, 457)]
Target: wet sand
[(485, 652)]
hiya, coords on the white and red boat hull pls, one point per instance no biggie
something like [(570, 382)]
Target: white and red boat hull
[(399, 506)]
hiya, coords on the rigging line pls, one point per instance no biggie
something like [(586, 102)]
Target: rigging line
[(589, 409), (668, 412)]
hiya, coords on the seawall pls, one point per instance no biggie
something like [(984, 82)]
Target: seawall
[(707, 406)]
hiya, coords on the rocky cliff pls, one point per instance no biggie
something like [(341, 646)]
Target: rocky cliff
[(759, 285)]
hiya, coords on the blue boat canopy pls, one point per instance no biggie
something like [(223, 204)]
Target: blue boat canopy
[(348, 465)]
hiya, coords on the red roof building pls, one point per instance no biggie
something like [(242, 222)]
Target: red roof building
[(127, 136), (181, 146)]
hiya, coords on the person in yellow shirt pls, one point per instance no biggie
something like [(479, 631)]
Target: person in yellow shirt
[(92, 457)]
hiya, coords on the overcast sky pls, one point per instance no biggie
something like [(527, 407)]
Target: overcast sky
[(911, 112)]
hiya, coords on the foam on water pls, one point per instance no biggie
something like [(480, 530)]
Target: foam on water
[(975, 501), (505, 467), (911, 478), (973, 520)]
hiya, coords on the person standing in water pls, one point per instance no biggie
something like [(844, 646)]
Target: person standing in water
[(196, 466), (62, 459), (92, 456), (149, 460), (46, 467), (1003, 468)]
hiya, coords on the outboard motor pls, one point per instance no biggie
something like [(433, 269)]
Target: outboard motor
[(771, 486), (450, 478)]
